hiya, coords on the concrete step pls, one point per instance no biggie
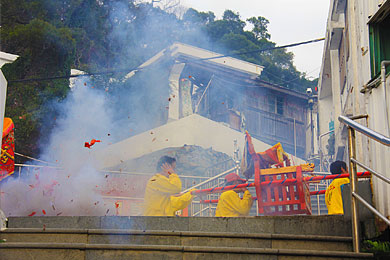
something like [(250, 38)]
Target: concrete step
[(295, 225), (79, 251), (177, 238)]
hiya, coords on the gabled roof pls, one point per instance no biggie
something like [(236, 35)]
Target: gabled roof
[(7, 58), (188, 53)]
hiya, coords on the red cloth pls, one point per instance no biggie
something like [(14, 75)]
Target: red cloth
[(233, 177), (7, 160)]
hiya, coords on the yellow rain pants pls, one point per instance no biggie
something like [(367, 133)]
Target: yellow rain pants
[(333, 198), (231, 205), (158, 196)]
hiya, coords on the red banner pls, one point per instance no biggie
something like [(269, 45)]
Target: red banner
[(7, 159)]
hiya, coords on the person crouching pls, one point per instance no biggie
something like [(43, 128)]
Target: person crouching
[(230, 204)]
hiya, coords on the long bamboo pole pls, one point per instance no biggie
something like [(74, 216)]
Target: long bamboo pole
[(277, 182)]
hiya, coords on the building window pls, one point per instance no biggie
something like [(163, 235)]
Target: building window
[(279, 105), (379, 41), (276, 105), (271, 104)]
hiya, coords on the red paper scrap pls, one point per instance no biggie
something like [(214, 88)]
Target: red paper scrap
[(32, 214), (44, 212), (93, 141)]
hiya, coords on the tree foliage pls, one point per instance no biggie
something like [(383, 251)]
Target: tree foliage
[(53, 36)]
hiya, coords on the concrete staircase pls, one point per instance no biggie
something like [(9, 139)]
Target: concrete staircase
[(298, 237)]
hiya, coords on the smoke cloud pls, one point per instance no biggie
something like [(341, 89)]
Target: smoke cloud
[(74, 186)]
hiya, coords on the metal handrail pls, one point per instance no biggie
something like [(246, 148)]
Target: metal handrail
[(371, 208), (355, 198), (209, 180), (365, 130), (377, 174)]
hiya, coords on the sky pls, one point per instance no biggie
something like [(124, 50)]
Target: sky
[(291, 21)]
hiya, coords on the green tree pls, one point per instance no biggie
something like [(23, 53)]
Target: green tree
[(260, 29), (44, 51)]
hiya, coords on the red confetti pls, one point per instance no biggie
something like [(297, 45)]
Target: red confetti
[(116, 205), (32, 214), (189, 77), (93, 141), (44, 212)]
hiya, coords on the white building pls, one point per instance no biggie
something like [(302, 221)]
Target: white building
[(229, 99), (357, 41)]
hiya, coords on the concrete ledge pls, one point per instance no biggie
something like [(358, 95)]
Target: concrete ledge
[(192, 249), (299, 225), (43, 245), (299, 252), (176, 233)]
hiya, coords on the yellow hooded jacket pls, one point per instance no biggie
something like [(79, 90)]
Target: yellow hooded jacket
[(231, 205), (333, 199), (158, 196)]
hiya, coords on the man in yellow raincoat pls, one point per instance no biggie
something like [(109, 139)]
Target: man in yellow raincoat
[(333, 199), (230, 204), (160, 188)]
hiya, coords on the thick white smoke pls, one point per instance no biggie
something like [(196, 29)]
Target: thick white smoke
[(74, 187)]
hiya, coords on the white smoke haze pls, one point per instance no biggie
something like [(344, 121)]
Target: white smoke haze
[(74, 188)]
